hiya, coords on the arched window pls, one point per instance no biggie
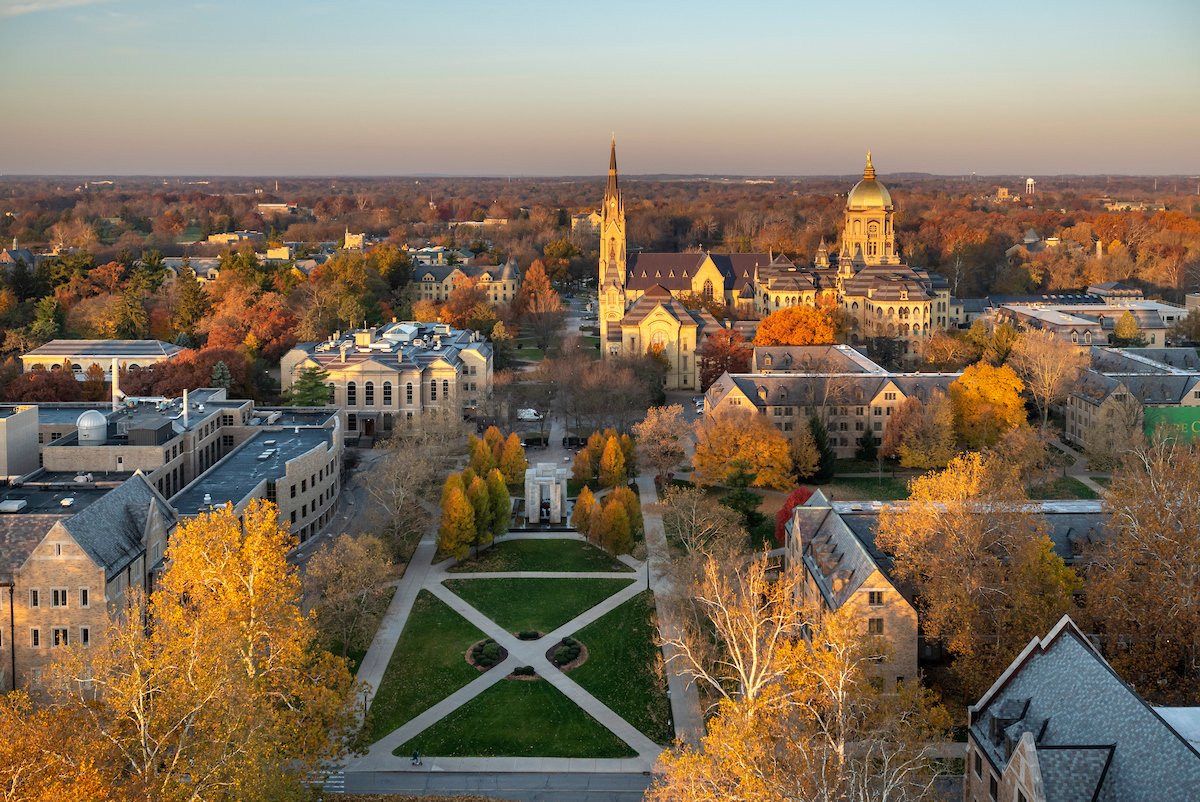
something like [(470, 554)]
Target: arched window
[(446, 389), (78, 368), (433, 389), (658, 340), (708, 289), (351, 394), (387, 394), (369, 394), (854, 306)]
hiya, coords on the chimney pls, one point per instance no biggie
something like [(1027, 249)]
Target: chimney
[(185, 408), (116, 386), (343, 352)]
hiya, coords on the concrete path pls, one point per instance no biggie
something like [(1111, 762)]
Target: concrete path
[(685, 698), (549, 784), (1079, 468)]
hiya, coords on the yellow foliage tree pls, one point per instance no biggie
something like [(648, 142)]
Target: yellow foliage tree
[(724, 442), (612, 464), (581, 515), (987, 403), (512, 460), (796, 325)]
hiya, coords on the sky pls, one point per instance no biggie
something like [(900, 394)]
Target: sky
[(458, 87)]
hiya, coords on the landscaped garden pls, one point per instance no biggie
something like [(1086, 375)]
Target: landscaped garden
[(1064, 487), (541, 555), (518, 604), (518, 718), (624, 667), (426, 666)]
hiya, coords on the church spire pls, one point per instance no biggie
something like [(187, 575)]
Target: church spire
[(869, 170), (611, 191)]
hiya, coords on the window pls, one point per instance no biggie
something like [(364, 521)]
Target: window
[(351, 394), (58, 597), (708, 289), (35, 638), (85, 636), (978, 766), (352, 423), (992, 789), (57, 549), (369, 394), (59, 636), (34, 599), (875, 626), (875, 598), (433, 389), (387, 392), (83, 597), (408, 394), (293, 495), (445, 388), (889, 396)]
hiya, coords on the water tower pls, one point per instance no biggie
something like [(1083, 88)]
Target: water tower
[(1030, 186)]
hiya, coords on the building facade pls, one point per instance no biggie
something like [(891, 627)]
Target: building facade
[(82, 354), (499, 282)]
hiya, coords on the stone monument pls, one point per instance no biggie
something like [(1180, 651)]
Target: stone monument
[(545, 494)]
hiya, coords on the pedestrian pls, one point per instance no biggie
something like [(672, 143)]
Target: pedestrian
[(416, 760)]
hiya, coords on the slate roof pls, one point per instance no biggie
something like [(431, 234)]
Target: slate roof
[(110, 529), (106, 349), (812, 359), (440, 273), (19, 535), (674, 271), (834, 557), (1082, 711), (658, 295)]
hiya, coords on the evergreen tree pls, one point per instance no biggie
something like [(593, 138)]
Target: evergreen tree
[(740, 498), (192, 303), (828, 457), (501, 504), (221, 377), (512, 460), (309, 389), (130, 319), (612, 464), (585, 508), (867, 451), (48, 319)]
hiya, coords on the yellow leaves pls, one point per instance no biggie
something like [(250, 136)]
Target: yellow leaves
[(796, 325), (723, 442), (987, 402)]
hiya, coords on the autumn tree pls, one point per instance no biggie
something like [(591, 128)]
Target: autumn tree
[(1049, 366), (95, 383), (612, 529), (481, 506), (584, 509), (225, 695), (659, 441), (796, 325), (741, 438), (499, 502), (50, 754), (1141, 593), (512, 461), (794, 499), (984, 569), (482, 455), (921, 434), (612, 464), (540, 307), (350, 579), (456, 532), (310, 388), (987, 402), (1126, 331), (723, 351), (806, 459)]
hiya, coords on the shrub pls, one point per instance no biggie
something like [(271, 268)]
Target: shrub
[(565, 652), (487, 654), (524, 671), (528, 634)]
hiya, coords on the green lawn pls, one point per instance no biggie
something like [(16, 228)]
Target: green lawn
[(541, 604), (1103, 481), (542, 555), (426, 667), (518, 719), (623, 667), (1061, 488), (862, 489), (529, 354)]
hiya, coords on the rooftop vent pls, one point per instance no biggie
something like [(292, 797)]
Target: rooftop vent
[(13, 505), (67, 502)]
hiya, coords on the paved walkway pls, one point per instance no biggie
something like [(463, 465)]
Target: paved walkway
[(1079, 468), (685, 698), (423, 575)]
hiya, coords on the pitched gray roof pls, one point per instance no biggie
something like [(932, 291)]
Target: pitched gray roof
[(19, 536), (106, 348), (110, 529)]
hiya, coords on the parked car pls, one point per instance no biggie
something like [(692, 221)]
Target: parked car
[(528, 415)]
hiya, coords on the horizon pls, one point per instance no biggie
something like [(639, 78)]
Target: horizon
[(133, 88)]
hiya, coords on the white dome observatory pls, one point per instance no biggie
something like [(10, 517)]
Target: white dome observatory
[(93, 427)]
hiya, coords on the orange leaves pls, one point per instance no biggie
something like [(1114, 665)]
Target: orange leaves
[(727, 441), (987, 402), (796, 325)]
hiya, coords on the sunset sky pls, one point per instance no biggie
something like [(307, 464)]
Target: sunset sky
[(535, 88)]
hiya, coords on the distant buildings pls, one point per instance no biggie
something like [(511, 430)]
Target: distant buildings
[(234, 237), (439, 255), (499, 282), (1090, 320), (82, 354), (1059, 725), (398, 372), (853, 395)]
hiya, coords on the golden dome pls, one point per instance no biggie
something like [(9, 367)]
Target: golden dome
[(869, 193)]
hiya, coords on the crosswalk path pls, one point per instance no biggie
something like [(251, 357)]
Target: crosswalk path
[(333, 782)]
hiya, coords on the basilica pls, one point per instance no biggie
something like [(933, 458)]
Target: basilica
[(640, 293)]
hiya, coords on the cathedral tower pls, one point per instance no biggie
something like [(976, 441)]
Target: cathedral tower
[(611, 286)]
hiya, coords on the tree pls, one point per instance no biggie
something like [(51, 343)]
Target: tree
[(740, 498), (612, 530), (540, 306), (129, 321), (723, 351), (627, 498), (983, 568), (921, 435), (95, 384), (987, 402), (1141, 593), (612, 464), (806, 459), (1049, 366), (500, 503), (512, 461), (581, 467), (456, 532), (867, 450), (726, 441), (696, 520), (796, 325), (794, 499), (309, 388), (1187, 329), (49, 754), (48, 319), (585, 508), (350, 578), (221, 377), (224, 695), (1126, 331), (483, 457), (481, 505), (828, 459), (659, 439)]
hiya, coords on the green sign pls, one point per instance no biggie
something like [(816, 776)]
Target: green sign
[(1175, 422)]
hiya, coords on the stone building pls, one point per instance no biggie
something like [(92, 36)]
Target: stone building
[(82, 354), (853, 396), (499, 282), (1060, 725), (840, 572), (18, 440), (70, 553), (882, 297), (398, 372)]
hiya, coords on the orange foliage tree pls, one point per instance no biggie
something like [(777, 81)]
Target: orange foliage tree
[(987, 403), (796, 325)]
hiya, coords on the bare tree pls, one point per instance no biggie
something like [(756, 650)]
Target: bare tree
[(1049, 365)]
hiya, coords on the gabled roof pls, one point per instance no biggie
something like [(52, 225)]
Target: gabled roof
[(835, 559), (111, 529), (674, 271)]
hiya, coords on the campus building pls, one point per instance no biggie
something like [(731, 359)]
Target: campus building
[(1060, 725), (397, 372), (881, 296), (499, 282), (82, 354)]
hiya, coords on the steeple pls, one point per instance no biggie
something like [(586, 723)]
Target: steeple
[(869, 170), (612, 190)]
